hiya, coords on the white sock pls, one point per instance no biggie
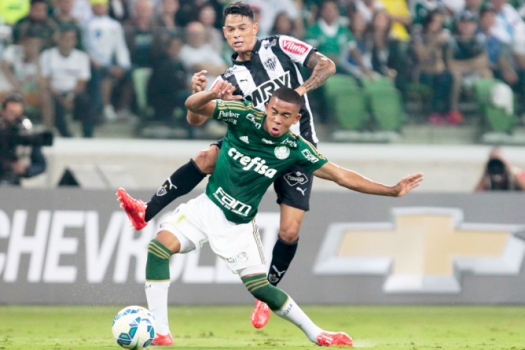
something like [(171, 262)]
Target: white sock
[(293, 313), (157, 296)]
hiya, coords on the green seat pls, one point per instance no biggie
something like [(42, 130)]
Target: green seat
[(495, 118), (140, 85), (386, 103), (347, 102)]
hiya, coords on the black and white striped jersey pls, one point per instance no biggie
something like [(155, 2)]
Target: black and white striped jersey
[(274, 64)]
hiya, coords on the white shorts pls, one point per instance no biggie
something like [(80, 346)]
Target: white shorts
[(200, 221)]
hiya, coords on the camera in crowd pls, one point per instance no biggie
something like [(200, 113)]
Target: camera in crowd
[(498, 175), (12, 138)]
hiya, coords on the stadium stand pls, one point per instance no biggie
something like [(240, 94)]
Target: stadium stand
[(379, 86)]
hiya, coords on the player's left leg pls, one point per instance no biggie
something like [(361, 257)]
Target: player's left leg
[(284, 306), (293, 194)]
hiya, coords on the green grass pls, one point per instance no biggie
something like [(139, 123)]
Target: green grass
[(392, 328)]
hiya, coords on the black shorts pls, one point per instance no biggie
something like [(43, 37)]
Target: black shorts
[(293, 186)]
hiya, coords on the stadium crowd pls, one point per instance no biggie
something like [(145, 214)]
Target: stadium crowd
[(107, 61)]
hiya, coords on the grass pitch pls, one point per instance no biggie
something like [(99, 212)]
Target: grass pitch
[(392, 328)]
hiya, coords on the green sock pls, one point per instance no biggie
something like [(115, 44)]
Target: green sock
[(158, 264), (261, 289)]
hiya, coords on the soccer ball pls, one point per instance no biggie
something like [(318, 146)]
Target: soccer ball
[(134, 327)]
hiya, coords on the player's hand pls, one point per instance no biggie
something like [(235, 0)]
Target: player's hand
[(224, 90), (407, 184), (199, 81)]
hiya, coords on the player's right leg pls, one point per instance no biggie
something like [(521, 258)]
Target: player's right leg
[(177, 235), (181, 182)]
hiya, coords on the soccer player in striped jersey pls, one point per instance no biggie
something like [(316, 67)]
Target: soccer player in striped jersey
[(260, 66)]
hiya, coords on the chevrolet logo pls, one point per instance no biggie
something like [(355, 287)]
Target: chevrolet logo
[(424, 250)]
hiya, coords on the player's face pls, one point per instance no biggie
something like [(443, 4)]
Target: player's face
[(280, 116), (240, 32)]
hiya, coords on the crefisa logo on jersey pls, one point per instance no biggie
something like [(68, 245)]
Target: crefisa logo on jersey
[(271, 63), (281, 152)]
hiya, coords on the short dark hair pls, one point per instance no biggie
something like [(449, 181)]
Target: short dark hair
[(239, 8), (289, 95), (13, 97)]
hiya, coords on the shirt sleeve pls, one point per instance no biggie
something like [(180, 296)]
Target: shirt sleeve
[(296, 49), (309, 157), (85, 72), (45, 64), (230, 112)]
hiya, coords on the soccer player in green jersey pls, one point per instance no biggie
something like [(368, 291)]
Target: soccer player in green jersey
[(257, 146)]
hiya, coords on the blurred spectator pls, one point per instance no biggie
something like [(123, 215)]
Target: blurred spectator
[(421, 8), (401, 19), (166, 88), (66, 71), (37, 21), (357, 61), (65, 19), (368, 8), (11, 11), (82, 11), (109, 55), (207, 16), (381, 48), (282, 25), (197, 54), (166, 17), (498, 56), (474, 6), (271, 8), (17, 162), (429, 53), (20, 67), (454, 7), (143, 38), (328, 35), (120, 10), (468, 58), (189, 11), (500, 175)]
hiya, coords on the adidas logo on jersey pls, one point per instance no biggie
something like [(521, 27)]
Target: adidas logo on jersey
[(244, 139), (256, 164)]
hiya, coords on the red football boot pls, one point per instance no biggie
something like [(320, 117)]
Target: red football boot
[(334, 339), (260, 314), (134, 208), (162, 340)]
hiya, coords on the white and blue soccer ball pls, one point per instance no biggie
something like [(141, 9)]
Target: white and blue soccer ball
[(134, 328)]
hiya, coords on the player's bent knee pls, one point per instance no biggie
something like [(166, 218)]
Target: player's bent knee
[(289, 234), (168, 240), (205, 160)]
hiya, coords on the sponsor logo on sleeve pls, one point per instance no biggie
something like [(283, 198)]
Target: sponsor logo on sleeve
[(295, 47), (309, 156)]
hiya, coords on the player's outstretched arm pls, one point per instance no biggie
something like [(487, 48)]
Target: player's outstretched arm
[(354, 181), (323, 68), (202, 104)]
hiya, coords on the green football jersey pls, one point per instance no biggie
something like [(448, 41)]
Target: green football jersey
[(251, 159)]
